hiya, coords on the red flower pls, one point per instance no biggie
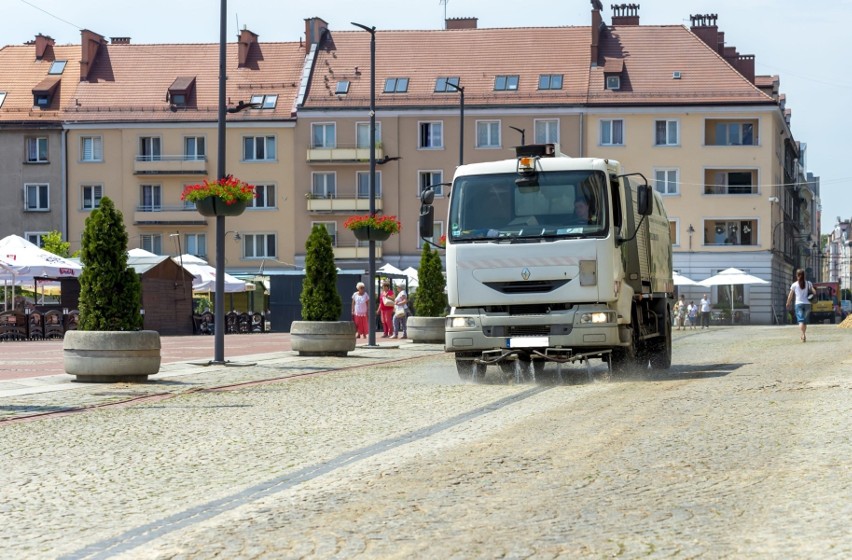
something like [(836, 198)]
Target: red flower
[(230, 189), (382, 223)]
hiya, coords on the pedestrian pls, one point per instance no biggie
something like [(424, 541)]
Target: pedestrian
[(692, 314), (360, 300), (801, 292), (386, 305), (680, 312), (704, 307), (400, 314)]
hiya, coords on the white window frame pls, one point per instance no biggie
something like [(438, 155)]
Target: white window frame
[(324, 135), (90, 196), (613, 83), (489, 129), (430, 173), (195, 244), (36, 197), (328, 188), (151, 242), (363, 191), (544, 135), (250, 240), (437, 232), (96, 152), (264, 196), (430, 135), (362, 134), (193, 153), (670, 185), (671, 133), (153, 145), (269, 147), (155, 193), (607, 131), (36, 237), (34, 151), (331, 228)]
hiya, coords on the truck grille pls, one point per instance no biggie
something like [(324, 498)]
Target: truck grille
[(505, 331), (533, 287)]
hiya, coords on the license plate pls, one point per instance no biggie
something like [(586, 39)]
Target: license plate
[(527, 342)]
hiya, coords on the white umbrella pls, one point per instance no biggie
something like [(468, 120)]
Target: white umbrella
[(389, 269), (22, 261), (204, 276), (731, 277), (681, 280)]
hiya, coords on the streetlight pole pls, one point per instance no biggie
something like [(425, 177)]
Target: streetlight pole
[(219, 306), (371, 309), (523, 134), (460, 89)]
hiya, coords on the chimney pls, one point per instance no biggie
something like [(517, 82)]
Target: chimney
[(625, 14), (91, 43), (246, 40), (119, 40), (704, 27), (42, 44), (315, 29), (460, 23), (597, 26)]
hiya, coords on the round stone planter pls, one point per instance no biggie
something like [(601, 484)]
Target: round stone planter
[(111, 356), (371, 234), (426, 329), (322, 338), (215, 206)]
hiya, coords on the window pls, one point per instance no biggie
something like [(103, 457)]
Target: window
[(264, 197), (437, 232), (91, 196), (2, 97), (259, 245), (506, 83), (431, 135), (149, 148), (150, 199), (323, 135), (665, 133), (324, 185), (362, 134), (396, 85), (258, 148), (673, 232), (41, 100), (731, 182), (152, 242), (363, 178), (36, 197), (194, 148), (612, 132), (613, 82), (331, 228), (487, 134), (37, 150), (36, 237), (730, 232), (550, 81), (547, 131), (91, 148), (342, 87), (731, 133), (263, 101), (445, 85), (196, 244), (432, 179), (666, 181)]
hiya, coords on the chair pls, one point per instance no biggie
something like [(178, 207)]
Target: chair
[(35, 325), (206, 324), (71, 320), (231, 323), (257, 323), (244, 323), (53, 324), (13, 326)]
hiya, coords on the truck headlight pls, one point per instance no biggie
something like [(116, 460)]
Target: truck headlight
[(460, 322), (596, 317)]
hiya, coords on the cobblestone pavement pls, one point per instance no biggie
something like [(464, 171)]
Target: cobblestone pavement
[(741, 450)]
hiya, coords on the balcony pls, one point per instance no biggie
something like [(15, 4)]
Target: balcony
[(342, 154), (340, 202), (170, 165), (172, 215)]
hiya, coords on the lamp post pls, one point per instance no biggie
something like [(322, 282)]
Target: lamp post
[(460, 89), (371, 269), (690, 230), (523, 134)]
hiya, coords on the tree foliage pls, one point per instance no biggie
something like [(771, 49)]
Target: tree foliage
[(320, 299), (52, 243), (110, 292), (431, 300)]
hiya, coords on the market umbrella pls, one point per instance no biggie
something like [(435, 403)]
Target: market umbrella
[(732, 277), (681, 280)]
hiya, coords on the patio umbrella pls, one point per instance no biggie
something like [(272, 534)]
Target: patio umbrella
[(732, 277), (681, 280)]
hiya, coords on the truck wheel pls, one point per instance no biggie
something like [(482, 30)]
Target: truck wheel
[(469, 370), (661, 350)]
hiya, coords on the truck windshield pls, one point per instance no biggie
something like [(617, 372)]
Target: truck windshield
[(563, 204)]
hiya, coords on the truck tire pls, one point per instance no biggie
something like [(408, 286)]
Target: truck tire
[(661, 350)]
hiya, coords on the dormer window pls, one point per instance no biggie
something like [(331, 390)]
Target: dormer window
[(613, 69), (44, 91), (613, 82), (57, 67), (263, 101), (181, 90)]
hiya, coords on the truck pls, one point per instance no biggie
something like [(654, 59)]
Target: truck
[(824, 306), (551, 258)]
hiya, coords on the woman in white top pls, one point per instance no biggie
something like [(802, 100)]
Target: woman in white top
[(800, 292)]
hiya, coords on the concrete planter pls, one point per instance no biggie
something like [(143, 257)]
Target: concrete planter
[(322, 338), (426, 329), (111, 356)]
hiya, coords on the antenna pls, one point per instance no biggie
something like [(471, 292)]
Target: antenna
[(444, 2), (237, 17)]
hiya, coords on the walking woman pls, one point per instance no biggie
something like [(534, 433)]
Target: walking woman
[(386, 305), (360, 301), (801, 292)]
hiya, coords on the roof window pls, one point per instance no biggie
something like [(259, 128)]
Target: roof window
[(342, 87), (443, 85), (550, 81), (262, 101), (396, 85), (506, 83), (57, 67), (2, 97)]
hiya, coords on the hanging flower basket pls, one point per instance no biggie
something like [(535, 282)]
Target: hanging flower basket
[(226, 197), (373, 228)]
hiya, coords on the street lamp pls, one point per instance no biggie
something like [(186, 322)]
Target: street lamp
[(690, 230), (523, 134), (460, 89), (371, 309)]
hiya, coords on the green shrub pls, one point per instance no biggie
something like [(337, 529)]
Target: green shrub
[(431, 300), (320, 299), (110, 292)]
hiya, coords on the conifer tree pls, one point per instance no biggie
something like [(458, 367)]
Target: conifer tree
[(430, 301), (320, 299)]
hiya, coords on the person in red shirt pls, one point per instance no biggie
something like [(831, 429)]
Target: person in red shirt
[(385, 310)]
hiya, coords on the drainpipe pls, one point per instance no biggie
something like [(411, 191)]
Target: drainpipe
[(63, 193), (582, 135)]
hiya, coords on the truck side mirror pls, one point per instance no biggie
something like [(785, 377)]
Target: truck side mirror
[(427, 221), (644, 200), (427, 196)]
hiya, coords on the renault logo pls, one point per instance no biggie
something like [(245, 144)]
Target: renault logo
[(525, 274)]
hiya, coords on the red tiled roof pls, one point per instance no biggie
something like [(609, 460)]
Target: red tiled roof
[(21, 73)]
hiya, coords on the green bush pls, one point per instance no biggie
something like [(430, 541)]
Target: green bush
[(110, 292), (431, 300), (320, 299)]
